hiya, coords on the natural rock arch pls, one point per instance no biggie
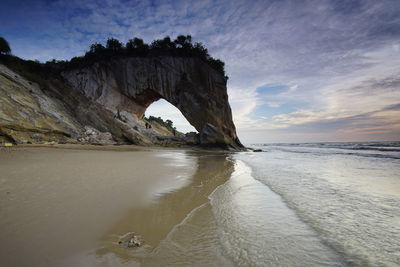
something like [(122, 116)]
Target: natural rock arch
[(190, 84)]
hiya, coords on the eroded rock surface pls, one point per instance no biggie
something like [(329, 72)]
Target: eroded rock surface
[(29, 115), (111, 97), (132, 84)]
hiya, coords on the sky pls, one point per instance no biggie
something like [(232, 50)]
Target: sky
[(299, 71)]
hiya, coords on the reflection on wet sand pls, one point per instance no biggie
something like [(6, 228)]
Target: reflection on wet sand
[(67, 207), (154, 222)]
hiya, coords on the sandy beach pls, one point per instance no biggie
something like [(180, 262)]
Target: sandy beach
[(70, 206)]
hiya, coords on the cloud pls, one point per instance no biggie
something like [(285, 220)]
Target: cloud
[(337, 60), (273, 104)]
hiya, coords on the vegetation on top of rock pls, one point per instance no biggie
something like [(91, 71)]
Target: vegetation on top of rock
[(181, 46), (4, 46), (32, 70)]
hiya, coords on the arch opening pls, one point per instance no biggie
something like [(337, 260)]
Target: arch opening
[(166, 111)]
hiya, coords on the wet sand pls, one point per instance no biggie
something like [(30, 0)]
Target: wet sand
[(69, 206)]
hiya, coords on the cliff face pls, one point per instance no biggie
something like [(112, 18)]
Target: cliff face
[(112, 96), (29, 115), (132, 84)]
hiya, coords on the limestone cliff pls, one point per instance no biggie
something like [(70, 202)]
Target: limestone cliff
[(29, 115), (112, 96)]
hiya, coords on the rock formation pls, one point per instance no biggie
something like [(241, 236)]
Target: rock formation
[(29, 115), (112, 96)]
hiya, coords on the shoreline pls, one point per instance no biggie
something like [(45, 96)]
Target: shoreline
[(124, 148)]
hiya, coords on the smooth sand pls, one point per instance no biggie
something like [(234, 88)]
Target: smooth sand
[(69, 206)]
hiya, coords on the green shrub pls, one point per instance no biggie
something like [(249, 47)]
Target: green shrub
[(167, 124)]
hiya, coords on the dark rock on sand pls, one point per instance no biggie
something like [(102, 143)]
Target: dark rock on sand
[(131, 240)]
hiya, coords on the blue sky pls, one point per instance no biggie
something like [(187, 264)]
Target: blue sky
[(300, 71)]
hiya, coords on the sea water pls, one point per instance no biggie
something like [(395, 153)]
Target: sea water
[(346, 194), (327, 204)]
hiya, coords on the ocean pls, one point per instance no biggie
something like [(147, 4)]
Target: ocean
[(344, 198), (325, 204)]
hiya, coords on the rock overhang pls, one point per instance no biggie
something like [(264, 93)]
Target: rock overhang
[(188, 83)]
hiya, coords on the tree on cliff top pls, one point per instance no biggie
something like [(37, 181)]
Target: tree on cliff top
[(181, 46), (163, 44), (136, 45), (96, 48), (4, 46), (184, 41), (114, 45)]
